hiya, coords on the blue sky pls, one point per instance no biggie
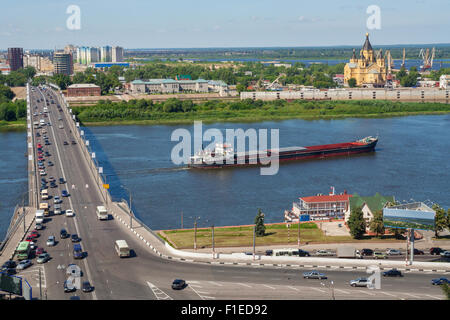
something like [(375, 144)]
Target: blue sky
[(227, 23)]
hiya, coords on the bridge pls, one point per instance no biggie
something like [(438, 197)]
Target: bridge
[(149, 272)]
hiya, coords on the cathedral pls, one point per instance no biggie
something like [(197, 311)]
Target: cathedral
[(369, 70)]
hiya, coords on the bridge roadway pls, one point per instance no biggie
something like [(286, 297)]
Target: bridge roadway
[(146, 275)]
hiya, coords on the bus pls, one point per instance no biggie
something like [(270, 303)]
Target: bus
[(23, 250), (122, 248), (44, 206)]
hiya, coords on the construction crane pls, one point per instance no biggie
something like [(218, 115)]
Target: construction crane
[(276, 80), (426, 58)]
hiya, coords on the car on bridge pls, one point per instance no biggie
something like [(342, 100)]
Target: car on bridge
[(63, 233), (68, 287), (43, 258), (57, 199), (393, 252), (440, 281), (64, 193), (435, 251), (66, 143), (445, 254), (75, 238), (86, 286), (314, 275), (418, 252), (392, 273), (360, 282), (324, 253), (178, 284), (51, 241), (379, 255), (366, 252), (61, 180), (70, 213), (23, 264)]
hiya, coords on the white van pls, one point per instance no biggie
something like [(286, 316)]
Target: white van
[(44, 194), (39, 216), (122, 248), (102, 213)]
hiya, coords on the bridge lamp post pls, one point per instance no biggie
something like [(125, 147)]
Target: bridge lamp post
[(195, 231), (129, 204)]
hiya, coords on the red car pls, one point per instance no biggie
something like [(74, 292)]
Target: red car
[(29, 239), (39, 251), (34, 233), (39, 145)]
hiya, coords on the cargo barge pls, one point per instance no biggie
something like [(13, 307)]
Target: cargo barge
[(223, 155)]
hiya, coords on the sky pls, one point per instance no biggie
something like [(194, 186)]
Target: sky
[(42, 24)]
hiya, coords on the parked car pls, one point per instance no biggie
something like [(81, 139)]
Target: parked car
[(439, 281), (9, 264), (178, 284), (379, 255), (417, 251), (314, 275), (269, 252), (445, 254), (435, 251), (360, 282), (51, 241), (65, 142), (392, 273), (23, 264), (303, 253), (43, 258), (393, 252)]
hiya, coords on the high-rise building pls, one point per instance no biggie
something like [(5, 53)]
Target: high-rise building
[(32, 60), (15, 58), (63, 63), (105, 54), (117, 54)]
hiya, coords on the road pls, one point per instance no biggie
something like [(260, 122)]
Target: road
[(147, 276)]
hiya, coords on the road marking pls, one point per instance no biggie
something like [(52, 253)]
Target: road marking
[(388, 294), (428, 295), (265, 285), (365, 292), (317, 289), (215, 283), (159, 294), (244, 285), (293, 288), (411, 295), (343, 291)]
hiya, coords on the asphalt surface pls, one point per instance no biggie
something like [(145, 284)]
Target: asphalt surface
[(147, 276)]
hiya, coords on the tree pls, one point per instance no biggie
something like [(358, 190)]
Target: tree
[(260, 228), (377, 224), (352, 82), (356, 223), (446, 290), (441, 219)]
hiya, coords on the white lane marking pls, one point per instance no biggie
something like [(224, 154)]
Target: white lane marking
[(267, 286), (342, 291), (317, 289), (428, 295), (94, 295), (215, 283), (201, 297), (159, 294), (388, 294), (368, 293), (244, 285), (411, 295), (293, 288)]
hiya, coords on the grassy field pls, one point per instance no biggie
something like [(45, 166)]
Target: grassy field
[(239, 236), (19, 125)]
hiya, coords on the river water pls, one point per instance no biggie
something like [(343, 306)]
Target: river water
[(411, 162)]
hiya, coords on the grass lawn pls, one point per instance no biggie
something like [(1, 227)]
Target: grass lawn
[(276, 234)]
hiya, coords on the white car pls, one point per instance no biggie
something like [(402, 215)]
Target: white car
[(56, 200), (324, 253), (360, 282), (51, 241), (445, 254), (393, 252), (70, 213), (42, 173), (23, 264)]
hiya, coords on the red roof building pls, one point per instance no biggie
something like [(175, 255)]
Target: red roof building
[(321, 207)]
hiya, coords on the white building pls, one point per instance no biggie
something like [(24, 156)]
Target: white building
[(444, 81)]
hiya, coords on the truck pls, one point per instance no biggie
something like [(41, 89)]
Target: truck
[(102, 213), (348, 252), (44, 207), (39, 216)]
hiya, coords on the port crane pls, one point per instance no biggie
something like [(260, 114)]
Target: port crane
[(276, 80), (427, 58)]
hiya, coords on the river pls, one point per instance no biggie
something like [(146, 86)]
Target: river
[(411, 162)]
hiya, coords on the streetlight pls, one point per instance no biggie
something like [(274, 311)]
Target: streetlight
[(129, 205), (195, 231), (331, 287)]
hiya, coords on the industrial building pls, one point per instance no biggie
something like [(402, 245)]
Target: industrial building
[(168, 86)]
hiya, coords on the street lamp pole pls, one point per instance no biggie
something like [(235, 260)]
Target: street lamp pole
[(213, 241)]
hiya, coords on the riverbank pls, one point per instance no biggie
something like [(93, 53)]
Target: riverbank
[(19, 125), (174, 111)]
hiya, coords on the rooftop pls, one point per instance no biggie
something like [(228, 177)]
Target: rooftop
[(83, 85), (327, 198)]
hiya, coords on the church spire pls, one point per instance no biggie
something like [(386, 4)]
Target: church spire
[(367, 46)]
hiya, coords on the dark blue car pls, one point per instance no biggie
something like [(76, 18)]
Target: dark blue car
[(64, 193), (440, 281)]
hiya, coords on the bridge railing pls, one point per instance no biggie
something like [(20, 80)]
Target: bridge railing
[(13, 224)]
